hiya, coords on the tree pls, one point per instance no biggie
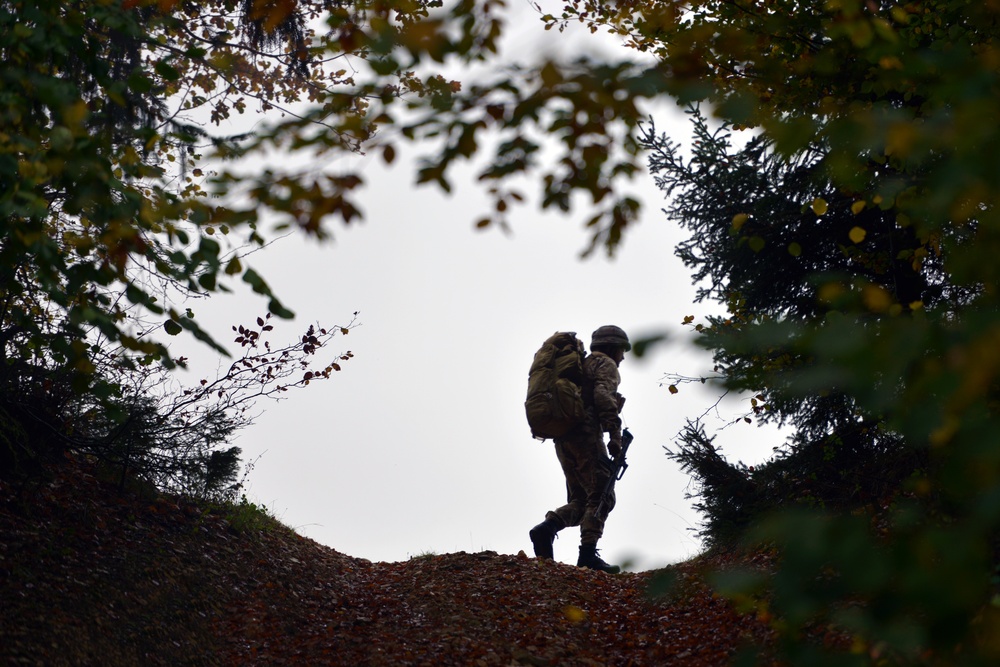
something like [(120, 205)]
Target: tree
[(103, 205), (155, 433), (847, 255), (173, 437), (104, 221), (115, 185), (774, 240)]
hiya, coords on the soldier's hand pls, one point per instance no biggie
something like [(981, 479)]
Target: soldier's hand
[(615, 446)]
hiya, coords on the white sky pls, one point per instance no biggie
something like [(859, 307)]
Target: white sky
[(420, 444)]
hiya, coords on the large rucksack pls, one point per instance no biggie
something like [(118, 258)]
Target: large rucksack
[(554, 405)]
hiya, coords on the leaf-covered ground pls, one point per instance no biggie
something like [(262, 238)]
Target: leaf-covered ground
[(89, 575)]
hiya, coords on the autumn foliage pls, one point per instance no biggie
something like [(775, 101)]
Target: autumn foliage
[(877, 218)]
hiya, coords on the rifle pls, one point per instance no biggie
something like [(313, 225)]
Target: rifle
[(618, 466)]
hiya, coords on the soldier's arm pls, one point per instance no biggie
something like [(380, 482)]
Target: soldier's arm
[(606, 402)]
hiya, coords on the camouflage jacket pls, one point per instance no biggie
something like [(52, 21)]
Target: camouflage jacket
[(604, 402)]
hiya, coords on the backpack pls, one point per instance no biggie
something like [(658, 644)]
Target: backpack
[(554, 404)]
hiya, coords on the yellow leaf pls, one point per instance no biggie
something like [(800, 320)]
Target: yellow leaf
[(890, 62), (876, 299), (858, 206), (738, 220), (830, 291), (74, 115), (857, 234), (819, 206), (900, 138), (574, 614), (944, 433), (794, 249)]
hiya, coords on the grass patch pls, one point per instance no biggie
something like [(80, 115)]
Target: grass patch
[(246, 517)]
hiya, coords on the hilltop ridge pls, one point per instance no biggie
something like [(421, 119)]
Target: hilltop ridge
[(90, 575)]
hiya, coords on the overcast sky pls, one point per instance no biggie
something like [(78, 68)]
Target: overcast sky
[(420, 444)]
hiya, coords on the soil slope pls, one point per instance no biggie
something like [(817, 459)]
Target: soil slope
[(93, 576)]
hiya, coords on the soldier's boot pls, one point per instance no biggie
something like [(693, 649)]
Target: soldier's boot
[(589, 558), (543, 535)]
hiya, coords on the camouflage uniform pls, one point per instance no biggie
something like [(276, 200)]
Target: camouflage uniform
[(583, 455)]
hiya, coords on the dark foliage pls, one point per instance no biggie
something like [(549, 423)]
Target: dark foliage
[(851, 469), (776, 243), (138, 439), (145, 430)]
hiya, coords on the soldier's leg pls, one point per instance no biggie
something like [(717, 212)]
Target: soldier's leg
[(596, 469), (572, 512), (544, 534)]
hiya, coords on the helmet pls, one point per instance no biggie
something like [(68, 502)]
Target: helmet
[(610, 335)]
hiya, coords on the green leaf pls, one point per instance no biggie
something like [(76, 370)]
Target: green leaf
[(207, 281), (276, 308), (139, 83), (253, 279), (167, 71), (643, 345)]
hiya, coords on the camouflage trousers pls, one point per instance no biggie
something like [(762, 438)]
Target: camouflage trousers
[(587, 467)]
